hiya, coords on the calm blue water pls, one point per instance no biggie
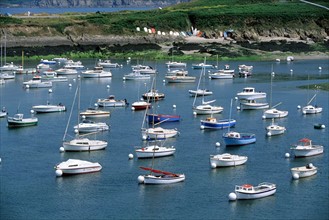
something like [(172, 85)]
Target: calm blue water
[(30, 189), (14, 11)]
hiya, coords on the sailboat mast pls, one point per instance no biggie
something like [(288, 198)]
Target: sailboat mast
[(72, 107), (203, 70), (272, 75), (229, 120)]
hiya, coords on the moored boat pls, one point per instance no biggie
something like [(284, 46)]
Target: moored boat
[(94, 113), (233, 138), (213, 123), (84, 144), (154, 150), (227, 160), (18, 120), (305, 148), (160, 118), (75, 166), (303, 171), (160, 177), (248, 191), (140, 105), (274, 129), (250, 93), (112, 102), (49, 108)]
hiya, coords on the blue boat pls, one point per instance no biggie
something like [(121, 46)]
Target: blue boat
[(236, 138), (160, 118), (213, 123)]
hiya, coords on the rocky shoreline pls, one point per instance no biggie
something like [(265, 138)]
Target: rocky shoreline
[(179, 45)]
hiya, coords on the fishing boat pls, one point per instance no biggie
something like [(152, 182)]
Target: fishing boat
[(248, 191), (213, 123), (112, 102), (305, 148), (49, 108), (94, 113), (108, 64), (88, 126), (227, 160), (160, 177), (97, 72), (249, 93), (274, 129), (80, 143), (75, 166), (154, 118), (303, 171), (36, 82), (18, 120), (154, 150)]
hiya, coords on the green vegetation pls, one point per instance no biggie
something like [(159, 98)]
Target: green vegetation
[(321, 86)]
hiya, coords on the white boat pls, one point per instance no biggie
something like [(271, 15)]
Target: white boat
[(160, 177), (84, 144), (248, 191), (3, 112), (213, 123), (87, 126), (108, 64), (52, 76), (221, 75), (173, 64), (305, 148), (97, 72), (253, 104), (250, 93), (227, 160), (74, 166), (180, 79), (94, 113), (303, 171), (175, 72), (49, 108), (112, 102), (36, 82), (143, 69), (156, 133), (18, 120), (74, 65), (274, 113), (49, 62), (310, 109), (206, 109), (9, 67), (155, 150), (153, 95), (203, 65), (136, 75), (66, 71), (245, 70), (274, 129), (80, 143), (7, 75), (200, 92), (41, 67)]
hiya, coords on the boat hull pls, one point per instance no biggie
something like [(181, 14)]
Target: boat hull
[(221, 124), (22, 123), (84, 145), (158, 133), (306, 152), (304, 171), (256, 195), (244, 139), (48, 108), (163, 179), (273, 113), (156, 118), (150, 152), (227, 160)]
